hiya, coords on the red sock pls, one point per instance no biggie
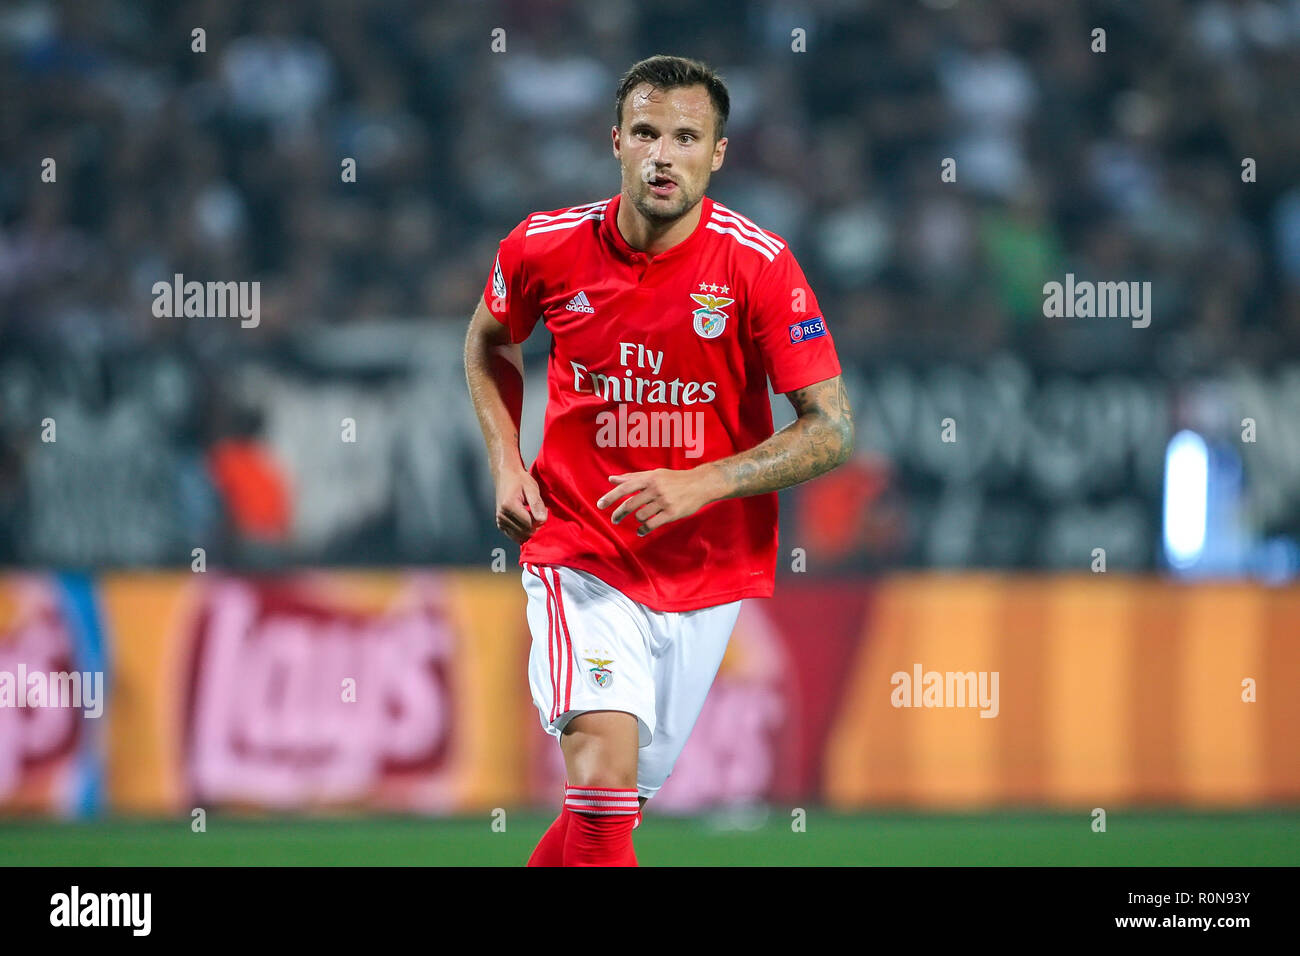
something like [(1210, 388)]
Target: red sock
[(600, 826), (550, 848)]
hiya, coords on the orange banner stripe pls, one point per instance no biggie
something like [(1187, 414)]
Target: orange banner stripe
[(1022, 755), (956, 747), (1278, 695), (1158, 620), (1222, 756), (869, 750), (1089, 659)]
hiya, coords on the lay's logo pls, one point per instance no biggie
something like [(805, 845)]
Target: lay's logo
[(807, 329)]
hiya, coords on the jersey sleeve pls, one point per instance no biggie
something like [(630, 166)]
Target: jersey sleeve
[(510, 294), (789, 329)]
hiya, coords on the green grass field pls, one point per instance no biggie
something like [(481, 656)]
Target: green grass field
[(885, 839)]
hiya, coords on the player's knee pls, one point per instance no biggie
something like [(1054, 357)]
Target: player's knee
[(609, 782), (600, 750), (594, 768)]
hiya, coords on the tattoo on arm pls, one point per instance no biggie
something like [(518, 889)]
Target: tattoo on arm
[(817, 441)]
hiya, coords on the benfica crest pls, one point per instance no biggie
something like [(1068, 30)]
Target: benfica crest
[(710, 320), (601, 675)]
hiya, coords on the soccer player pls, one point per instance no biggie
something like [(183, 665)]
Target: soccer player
[(651, 509)]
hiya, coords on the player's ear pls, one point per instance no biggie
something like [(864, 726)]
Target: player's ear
[(613, 135), (719, 150)]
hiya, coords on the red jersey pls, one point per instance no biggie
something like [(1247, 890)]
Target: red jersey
[(658, 362)]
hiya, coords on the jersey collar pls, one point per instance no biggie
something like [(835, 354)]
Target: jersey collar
[(609, 228)]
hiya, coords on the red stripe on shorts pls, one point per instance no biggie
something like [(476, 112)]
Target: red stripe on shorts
[(550, 637), (568, 642)]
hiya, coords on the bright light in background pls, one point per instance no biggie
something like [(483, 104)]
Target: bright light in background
[(1187, 472)]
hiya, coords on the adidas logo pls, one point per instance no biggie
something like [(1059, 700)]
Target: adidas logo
[(579, 303)]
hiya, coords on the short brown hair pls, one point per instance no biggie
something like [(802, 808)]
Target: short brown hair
[(669, 73)]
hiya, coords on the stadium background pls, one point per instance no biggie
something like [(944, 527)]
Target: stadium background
[(324, 558)]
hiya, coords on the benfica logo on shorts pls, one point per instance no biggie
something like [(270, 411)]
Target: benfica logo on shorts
[(710, 320), (601, 675)]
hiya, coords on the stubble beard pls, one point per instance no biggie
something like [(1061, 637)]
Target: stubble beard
[(660, 213)]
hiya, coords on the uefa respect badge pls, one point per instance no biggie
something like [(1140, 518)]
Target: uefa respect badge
[(807, 329)]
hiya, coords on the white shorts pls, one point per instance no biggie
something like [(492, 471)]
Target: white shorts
[(594, 648)]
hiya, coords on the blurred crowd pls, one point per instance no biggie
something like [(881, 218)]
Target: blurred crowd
[(1122, 164)]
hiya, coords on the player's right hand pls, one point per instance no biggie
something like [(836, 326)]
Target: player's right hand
[(520, 509)]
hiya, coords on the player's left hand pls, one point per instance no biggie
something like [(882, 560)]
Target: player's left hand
[(657, 497)]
